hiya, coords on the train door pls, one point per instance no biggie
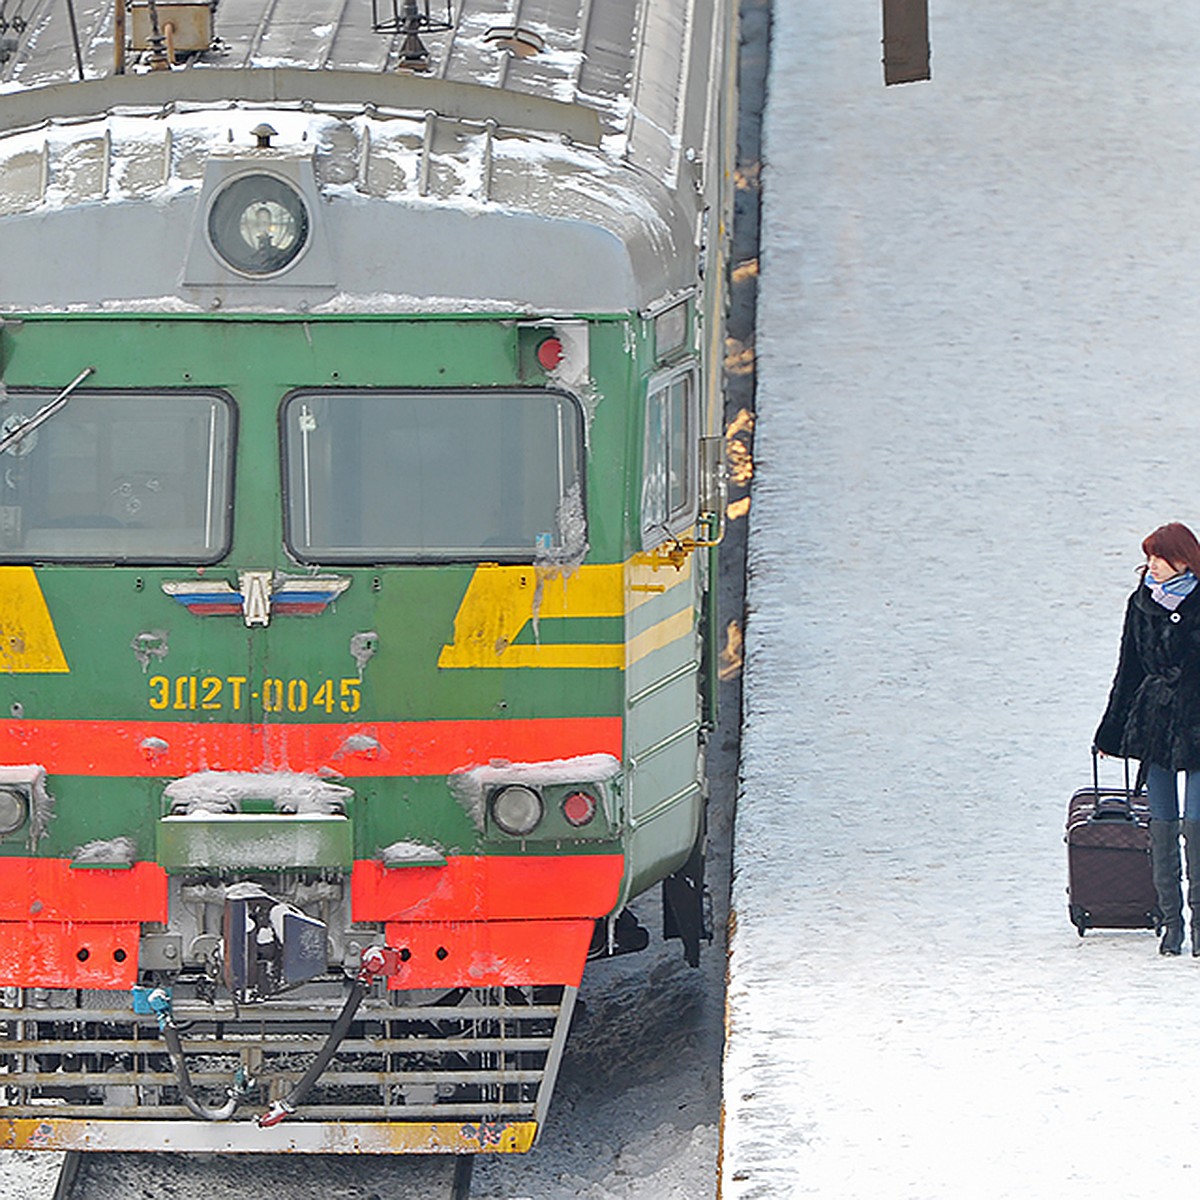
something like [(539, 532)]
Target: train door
[(663, 648)]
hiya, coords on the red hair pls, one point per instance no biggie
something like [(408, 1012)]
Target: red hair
[(1176, 543)]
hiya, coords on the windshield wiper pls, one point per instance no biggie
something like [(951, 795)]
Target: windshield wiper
[(45, 413)]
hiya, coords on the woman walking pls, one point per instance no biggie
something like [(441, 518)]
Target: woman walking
[(1153, 715)]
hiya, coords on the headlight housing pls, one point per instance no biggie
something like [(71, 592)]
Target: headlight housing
[(258, 224), (517, 809), (13, 810)]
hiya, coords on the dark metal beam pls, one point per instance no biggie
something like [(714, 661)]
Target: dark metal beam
[(905, 41)]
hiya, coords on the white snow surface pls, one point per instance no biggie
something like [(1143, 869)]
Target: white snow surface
[(205, 793), (978, 367)]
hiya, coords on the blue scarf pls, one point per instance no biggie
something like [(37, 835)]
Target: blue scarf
[(1171, 593)]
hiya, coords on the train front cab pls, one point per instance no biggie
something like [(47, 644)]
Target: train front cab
[(269, 697)]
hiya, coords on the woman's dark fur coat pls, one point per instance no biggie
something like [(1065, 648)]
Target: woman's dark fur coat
[(1154, 708)]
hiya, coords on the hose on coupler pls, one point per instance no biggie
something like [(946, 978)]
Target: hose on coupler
[(159, 1001), (284, 1108), (376, 961)]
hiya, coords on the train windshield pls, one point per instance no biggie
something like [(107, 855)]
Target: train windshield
[(128, 477), (453, 475)]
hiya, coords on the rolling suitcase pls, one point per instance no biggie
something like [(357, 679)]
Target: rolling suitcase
[(1108, 858)]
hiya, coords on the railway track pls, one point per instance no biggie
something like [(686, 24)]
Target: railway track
[(117, 1176)]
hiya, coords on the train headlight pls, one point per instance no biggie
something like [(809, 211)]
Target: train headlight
[(517, 810), (12, 810), (579, 808), (258, 224)]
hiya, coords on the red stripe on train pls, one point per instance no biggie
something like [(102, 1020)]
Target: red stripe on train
[(64, 926), (489, 953), (173, 748), (494, 888), (50, 889), (476, 922), (489, 922)]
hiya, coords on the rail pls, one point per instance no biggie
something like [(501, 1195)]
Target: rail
[(84, 1175)]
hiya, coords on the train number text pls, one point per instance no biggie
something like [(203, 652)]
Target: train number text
[(190, 693)]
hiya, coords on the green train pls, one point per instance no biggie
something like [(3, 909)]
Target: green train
[(361, 474)]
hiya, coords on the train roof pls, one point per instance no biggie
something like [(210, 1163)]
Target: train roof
[(567, 180)]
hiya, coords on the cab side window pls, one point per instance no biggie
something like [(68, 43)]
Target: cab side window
[(669, 457)]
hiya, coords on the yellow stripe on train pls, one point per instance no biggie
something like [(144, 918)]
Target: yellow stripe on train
[(245, 1137), (501, 601), (28, 640)]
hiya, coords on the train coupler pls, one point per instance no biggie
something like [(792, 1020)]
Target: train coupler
[(269, 945)]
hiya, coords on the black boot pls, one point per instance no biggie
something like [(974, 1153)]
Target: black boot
[(1191, 846), (1165, 864)]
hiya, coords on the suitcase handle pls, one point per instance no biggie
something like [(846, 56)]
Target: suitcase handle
[(1130, 792), (1113, 808)]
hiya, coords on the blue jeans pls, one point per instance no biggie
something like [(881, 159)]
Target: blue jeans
[(1162, 793)]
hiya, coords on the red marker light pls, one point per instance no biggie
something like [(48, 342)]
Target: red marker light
[(579, 808), (550, 353)]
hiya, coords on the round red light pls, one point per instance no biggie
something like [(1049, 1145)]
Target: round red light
[(579, 808), (550, 353)]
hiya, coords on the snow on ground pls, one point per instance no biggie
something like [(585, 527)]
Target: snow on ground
[(978, 377)]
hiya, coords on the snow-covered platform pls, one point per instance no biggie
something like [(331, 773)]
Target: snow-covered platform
[(978, 389)]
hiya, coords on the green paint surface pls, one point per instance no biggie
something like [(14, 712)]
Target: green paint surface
[(300, 669)]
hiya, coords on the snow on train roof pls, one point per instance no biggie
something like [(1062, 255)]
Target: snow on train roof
[(547, 138), (589, 53)]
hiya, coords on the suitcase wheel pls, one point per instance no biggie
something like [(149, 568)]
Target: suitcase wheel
[(1078, 918)]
